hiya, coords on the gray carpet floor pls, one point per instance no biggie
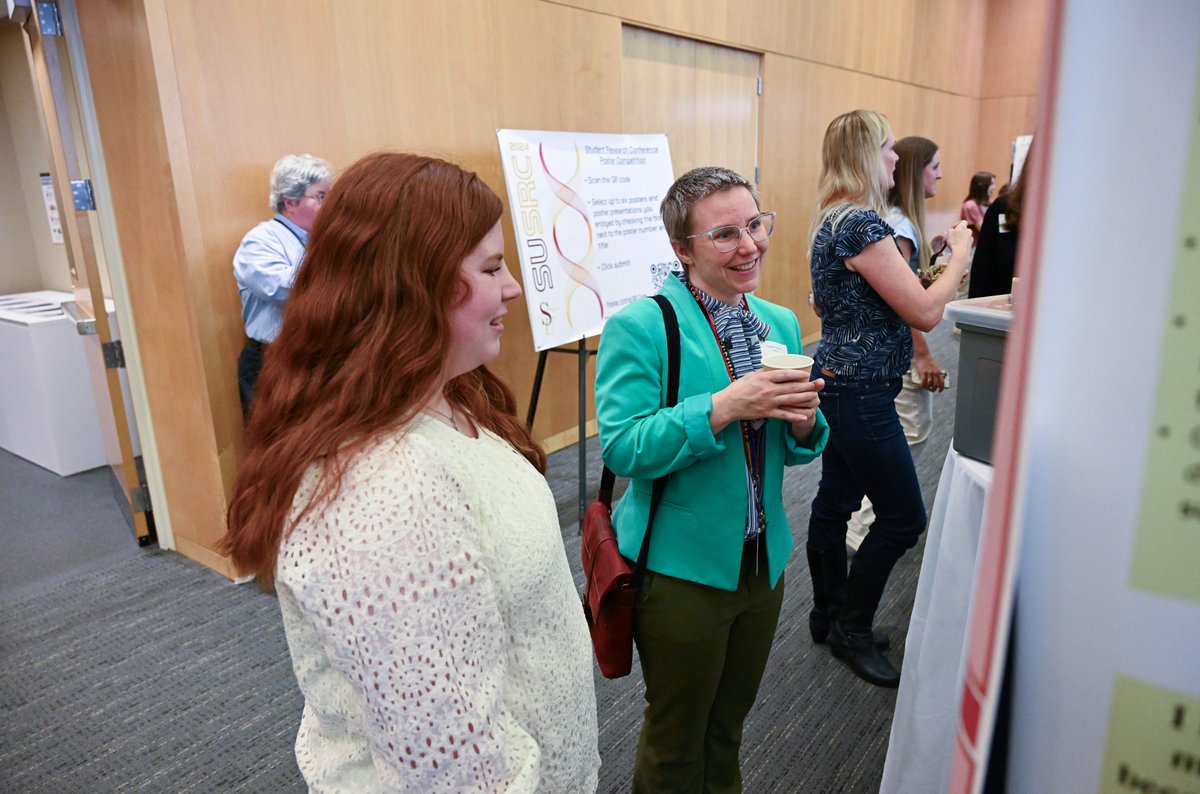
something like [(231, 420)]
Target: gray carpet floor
[(53, 526), (128, 669)]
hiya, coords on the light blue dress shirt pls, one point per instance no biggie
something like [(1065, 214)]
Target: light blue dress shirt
[(265, 266)]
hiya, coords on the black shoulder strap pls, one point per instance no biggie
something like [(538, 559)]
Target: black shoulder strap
[(671, 324), (607, 478)]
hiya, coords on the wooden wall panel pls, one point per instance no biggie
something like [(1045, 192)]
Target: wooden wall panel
[(1013, 64), (360, 79), (932, 43), (1016, 34), (704, 96), (1000, 121), (231, 128), (159, 272), (569, 80)]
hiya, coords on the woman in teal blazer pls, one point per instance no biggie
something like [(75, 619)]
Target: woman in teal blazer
[(707, 611)]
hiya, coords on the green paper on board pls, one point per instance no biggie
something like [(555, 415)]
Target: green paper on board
[(1166, 555), (1153, 740)]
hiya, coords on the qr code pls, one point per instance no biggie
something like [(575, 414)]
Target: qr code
[(660, 270)]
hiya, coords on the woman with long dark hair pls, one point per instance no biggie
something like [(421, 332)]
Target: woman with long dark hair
[(397, 506), (995, 261), (868, 297), (918, 170), (979, 198)]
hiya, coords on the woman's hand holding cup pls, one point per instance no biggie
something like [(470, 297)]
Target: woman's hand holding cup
[(782, 389), (806, 418), (959, 237), (776, 362)]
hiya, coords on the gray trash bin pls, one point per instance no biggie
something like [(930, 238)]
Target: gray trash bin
[(984, 323)]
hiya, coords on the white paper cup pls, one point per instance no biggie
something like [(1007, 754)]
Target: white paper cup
[(787, 361)]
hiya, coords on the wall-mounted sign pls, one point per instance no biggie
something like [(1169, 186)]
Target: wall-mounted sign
[(56, 234)]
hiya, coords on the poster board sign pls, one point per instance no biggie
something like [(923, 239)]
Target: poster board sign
[(1020, 150), (585, 210)]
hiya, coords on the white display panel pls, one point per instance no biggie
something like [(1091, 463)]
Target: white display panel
[(585, 210), (1107, 672)]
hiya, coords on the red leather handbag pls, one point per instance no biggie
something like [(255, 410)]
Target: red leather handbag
[(611, 586), (608, 596)]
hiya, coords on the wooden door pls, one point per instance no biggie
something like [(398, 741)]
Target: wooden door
[(704, 96), (49, 60)]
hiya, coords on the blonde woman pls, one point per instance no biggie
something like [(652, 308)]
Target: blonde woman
[(868, 297)]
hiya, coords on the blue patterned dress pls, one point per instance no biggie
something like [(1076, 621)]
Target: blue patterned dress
[(862, 338)]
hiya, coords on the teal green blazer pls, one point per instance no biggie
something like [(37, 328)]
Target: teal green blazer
[(701, 521)]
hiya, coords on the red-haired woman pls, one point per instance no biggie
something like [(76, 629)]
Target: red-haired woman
[(397, 506)]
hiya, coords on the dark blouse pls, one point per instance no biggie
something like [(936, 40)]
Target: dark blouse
[(862, 337), (992, 268)]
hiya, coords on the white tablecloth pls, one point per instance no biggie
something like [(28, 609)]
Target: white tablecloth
[(922, 740)]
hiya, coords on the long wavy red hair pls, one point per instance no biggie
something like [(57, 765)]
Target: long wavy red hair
[(365, 335)]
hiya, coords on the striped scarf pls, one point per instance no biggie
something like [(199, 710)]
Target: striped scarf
[(739, 329)]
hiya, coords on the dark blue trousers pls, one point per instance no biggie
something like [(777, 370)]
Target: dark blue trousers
[(867, 454), (248, 365)]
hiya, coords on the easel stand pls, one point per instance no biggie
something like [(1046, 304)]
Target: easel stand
[(582, 352)]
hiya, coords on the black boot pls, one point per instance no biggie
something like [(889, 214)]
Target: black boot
[(828, 570), (850, 636)]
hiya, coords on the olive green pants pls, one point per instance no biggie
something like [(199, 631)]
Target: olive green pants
[(703, 652)]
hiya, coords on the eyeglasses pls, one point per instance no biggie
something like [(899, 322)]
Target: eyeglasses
[(728, 238), (317, 197)]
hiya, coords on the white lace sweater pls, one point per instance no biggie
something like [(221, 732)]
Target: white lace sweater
[(434, 627)]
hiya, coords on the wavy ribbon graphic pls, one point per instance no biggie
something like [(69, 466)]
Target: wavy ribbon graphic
[(577, 271)]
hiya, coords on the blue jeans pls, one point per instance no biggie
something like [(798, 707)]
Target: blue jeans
[(867, 454)]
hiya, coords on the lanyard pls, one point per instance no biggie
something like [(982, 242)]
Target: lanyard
[(729, 370), (752, 443)]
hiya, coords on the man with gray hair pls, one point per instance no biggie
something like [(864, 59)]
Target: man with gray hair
[(267, 260)]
